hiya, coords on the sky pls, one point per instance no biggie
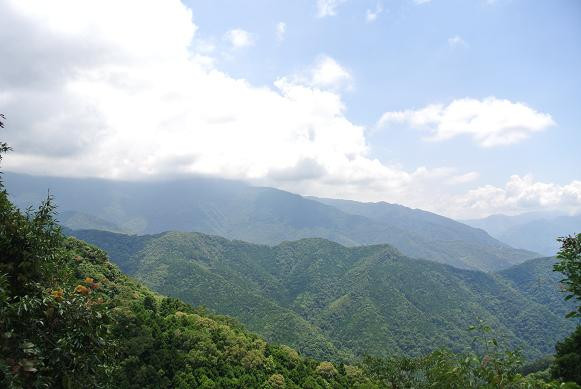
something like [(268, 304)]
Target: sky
[(466, 108)]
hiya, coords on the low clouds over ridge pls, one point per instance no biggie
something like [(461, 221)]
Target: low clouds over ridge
[(134, 110), (114, 98)]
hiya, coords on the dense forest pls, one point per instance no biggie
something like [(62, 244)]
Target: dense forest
[(335, 302), (70, 318)]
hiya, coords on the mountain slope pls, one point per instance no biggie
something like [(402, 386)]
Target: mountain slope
[(536, 279), (534, 231), (469, 247), (78, 220), (261, 215), (75, 320), (367, 299), (70, 318)]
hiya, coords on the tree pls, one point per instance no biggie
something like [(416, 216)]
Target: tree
[(570, 266), (52, 332), (3, 146), (567, 365)]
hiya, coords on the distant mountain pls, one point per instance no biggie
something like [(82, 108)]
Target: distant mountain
[(473, 246), (332, 301), (264, 215), (531, 231), (79, 220)]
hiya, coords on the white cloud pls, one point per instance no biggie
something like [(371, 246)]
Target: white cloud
[(113, 99), (239, 38), (122, 108), (456, 41), (328, 7), (490, 122), (519, 194), (371, 15), (328, 73), (419, 2), (325, 73), (280, 31)]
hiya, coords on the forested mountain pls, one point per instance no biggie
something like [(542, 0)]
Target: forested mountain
[(530, 231), (70, 318), (261, 215), (536, 279), (337, 302), (452, 238), (79, 220)]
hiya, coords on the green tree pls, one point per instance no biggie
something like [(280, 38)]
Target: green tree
[(567, 365), (569, 265), (3, 145), (52, 331)]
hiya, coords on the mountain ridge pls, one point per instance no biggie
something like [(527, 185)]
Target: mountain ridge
[(255, 214), (366, 299), (536, 231)]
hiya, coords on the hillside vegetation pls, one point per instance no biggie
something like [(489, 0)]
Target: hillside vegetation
[(335, 302), (262, 215), (69, 318)]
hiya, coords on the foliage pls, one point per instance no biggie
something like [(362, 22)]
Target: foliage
[(538, 366), (569, 264), (4, 148), (493, 367), (567, 364), (70, 318), (540, 283), (335, 303), (51, 334)]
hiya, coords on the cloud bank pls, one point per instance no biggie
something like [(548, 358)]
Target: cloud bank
[(521, 194), (91, 89), (114, 99)]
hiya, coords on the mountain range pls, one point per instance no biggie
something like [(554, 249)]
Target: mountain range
[(337, 302), (261, 215), (536, 231)]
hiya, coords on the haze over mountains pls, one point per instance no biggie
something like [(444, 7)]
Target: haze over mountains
[(335, 302), (534, 231), (262, 215)]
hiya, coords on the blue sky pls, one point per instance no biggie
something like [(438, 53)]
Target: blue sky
[(527, 51), (466, 108)]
